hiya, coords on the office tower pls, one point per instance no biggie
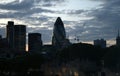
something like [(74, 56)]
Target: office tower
[(59, 34), (10, 34), (34, 42), (20, 37), (118, 39), (16, 36), (100, 42)]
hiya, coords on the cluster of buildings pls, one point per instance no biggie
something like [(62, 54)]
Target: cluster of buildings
[(102, 43), (15, 44), (15, 39)]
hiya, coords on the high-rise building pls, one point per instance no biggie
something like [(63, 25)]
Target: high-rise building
[(59, 34), (10, 34), (118, 39), (20, 37), (100, 42), (34, 42), (16, 36)]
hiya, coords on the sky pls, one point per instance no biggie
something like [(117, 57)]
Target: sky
[(85, 19)]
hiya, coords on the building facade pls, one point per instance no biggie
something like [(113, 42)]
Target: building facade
[(34, 42), (20, 37)]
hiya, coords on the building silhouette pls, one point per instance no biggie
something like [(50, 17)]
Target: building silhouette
[(10, 34), (118, 39), (100, 42), (20, 37), (16, 36), (34, 42), (59, 35)]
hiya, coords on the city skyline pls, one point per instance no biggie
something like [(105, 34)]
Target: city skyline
[(88, 19), (16, 37)]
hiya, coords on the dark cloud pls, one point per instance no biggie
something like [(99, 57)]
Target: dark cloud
[(26, 9), (22, 9), (16, 5), (105, 22), (109, 12), (28, 4)]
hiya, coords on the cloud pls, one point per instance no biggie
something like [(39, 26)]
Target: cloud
[(16, 5), (73, 11), (105, 22), (28, 11), (102, 22), (109, 13), (27, 8), (28, 4)]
